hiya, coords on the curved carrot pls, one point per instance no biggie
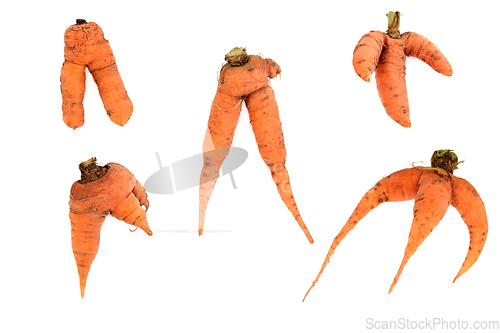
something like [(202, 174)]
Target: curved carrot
[(108, 190), (391, 81), (85, 46), (264, 117), (246, 78), (434, 189), (421, 48), (468, 203), (431, 203), (385, 53), (222, 122), (367, 52), (398, 186)]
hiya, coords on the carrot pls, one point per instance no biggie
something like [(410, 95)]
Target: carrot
[(244, 78), (102, 191), (434, 189), (85, 47), (468, 203), (385, 53)]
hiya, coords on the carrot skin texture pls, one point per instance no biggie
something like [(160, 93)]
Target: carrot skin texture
[(90, 203), (366, 54), (85, 46), (432, 200), (391, 81), (249, 83), (468, 203), (398, 186)]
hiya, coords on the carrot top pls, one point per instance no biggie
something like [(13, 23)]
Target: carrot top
[(394, 19), (237, 56), (91, 171), (445, 159)]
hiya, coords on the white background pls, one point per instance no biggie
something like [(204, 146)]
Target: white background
[(339, 142)]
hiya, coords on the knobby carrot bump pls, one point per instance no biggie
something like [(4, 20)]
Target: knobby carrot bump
[(385, 53), (245, 78), (434, 189), (85, 47), (102, 191)]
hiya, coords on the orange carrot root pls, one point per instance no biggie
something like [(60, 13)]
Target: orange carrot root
[(102, 191), (85, 237), (391, 82), (468, 203), (431, 203), (246, 77), (398, 186), (421, 48), (434, 189), (218, 139), (85, 46), (385, 53), (73, 91), (366, 54)]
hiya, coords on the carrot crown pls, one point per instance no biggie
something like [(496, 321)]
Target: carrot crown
[(237, 56), (394, 19), (445, 159), (91, 171)]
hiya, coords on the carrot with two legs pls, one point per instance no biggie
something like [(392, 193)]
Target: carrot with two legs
[(244, 78), (86, 47)]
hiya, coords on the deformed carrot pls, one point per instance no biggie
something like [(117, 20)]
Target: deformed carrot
[(468, 203), (431, 203), (245, 78), (102, 191), (385, 54), (434, 189), (85, 46)]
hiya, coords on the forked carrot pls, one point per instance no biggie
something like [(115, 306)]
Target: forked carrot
[(434, 189), (85, 47), (385, 53), (244, 78), (102, 191)]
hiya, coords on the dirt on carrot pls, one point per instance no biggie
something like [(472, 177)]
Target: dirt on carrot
[(434, 189), (85, 47), (385, 53), (102, 190), (245, 79)]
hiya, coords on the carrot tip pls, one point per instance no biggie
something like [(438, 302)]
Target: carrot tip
[(200, 232)]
